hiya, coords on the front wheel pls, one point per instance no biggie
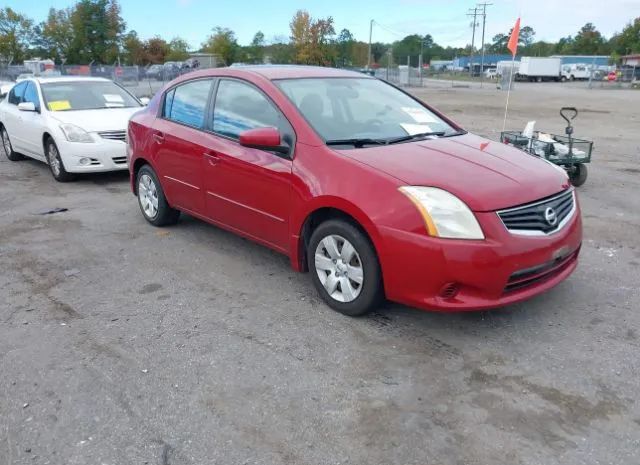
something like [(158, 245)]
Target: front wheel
[(153, 204), (56, 165), (578, 175), (344, 268)]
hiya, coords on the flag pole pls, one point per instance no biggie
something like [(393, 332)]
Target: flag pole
[(512, 45), (506, 107)]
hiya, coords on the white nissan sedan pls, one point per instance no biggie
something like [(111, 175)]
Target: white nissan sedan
[(74, 124)]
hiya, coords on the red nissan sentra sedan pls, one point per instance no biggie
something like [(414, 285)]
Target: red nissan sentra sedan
[(372, 191)]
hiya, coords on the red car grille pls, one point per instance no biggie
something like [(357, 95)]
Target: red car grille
[(537, 274)]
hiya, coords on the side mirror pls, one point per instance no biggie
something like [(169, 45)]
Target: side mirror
[(26, 106), (145, 101), (263, 139)]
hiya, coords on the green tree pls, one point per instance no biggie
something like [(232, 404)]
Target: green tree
[(588, 41), (627, 41), (57, 33), (500, 41), (256, 49), (222, 43), (97, 31), (178, 50), (16, 35), (345, 44), (134, 50)]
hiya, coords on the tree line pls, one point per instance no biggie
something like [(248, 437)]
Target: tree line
[(94, 31)]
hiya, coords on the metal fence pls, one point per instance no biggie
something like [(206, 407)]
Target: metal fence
[(622, 78), (141, 80)]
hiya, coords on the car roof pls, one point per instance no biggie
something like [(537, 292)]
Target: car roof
[(45, 80), (273, 72)]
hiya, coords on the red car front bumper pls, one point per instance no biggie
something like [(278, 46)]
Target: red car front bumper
[(461, 275)]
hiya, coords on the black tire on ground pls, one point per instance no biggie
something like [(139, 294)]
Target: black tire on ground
[(372, 292), (164, 214), (56, 165), (563, 78), (8, 148), (579, 175), (539, 79)]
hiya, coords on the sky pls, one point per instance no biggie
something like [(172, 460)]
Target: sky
[(445, 20)]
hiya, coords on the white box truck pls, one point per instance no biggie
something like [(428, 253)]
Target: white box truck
[(539, 69)]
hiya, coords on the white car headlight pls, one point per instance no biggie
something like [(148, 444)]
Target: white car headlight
[(74, 133), (445, 215)]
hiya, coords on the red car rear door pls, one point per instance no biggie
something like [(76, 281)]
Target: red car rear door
[(180, 141)]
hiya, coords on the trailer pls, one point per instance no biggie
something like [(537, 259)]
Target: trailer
[(536, 69)]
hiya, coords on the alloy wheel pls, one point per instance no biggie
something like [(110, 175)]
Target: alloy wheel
[(339, 268), (148, 196), (54, 159)]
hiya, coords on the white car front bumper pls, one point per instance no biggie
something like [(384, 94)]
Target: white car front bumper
[(100, 155)]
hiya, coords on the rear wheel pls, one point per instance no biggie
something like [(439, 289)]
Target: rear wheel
[(56, 165), (578, 175), (344, 268), (6, 146), (153, 204)]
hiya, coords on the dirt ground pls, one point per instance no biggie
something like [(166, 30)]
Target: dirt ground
[(125, 344)]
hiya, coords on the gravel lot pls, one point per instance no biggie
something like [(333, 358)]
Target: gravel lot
[(125, 344)]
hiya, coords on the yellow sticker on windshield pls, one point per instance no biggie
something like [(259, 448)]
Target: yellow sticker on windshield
[(59, 105)]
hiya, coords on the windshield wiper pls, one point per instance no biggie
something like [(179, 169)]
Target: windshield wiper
[(414, 136), (358, 143)]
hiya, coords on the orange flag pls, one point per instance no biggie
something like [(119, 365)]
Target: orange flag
[(513, 40)]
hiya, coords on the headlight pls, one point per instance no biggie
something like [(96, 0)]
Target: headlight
[(75, 134), (445, 215)]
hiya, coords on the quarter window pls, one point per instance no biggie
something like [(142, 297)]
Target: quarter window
[(188, 103), (239, 106)]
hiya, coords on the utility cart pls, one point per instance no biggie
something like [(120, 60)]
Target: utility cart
[(570, 153)]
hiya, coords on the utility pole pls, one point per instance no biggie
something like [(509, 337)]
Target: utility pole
[(420, 58), (484, 20), (473, 37), (370, 34)]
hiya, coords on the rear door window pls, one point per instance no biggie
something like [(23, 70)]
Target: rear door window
[(189, 103)]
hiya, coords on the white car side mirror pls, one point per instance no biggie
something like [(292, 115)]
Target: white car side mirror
[(26, 106), (145, 101)]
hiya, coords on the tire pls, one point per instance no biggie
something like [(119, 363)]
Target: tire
[(355, 277), (8, 148), (579, 175), (151, 199), (539, 79), (55, 162), (563, 79)]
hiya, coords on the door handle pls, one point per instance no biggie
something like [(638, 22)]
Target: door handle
[(212, 158), (158, 137)]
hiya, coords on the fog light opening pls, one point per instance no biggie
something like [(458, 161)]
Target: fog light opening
[(449, 290), (84, 161)]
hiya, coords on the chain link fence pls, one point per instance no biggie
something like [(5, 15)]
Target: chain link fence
[(140, 80)]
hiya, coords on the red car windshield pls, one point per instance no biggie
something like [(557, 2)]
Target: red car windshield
[(360, 108)]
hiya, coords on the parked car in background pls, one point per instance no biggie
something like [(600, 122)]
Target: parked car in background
[(154, 72), (358, 182), (74, 124), (612, 76), (491, 73), (23, 76)]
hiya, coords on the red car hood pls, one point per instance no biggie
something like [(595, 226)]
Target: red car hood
[(486, 175)]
